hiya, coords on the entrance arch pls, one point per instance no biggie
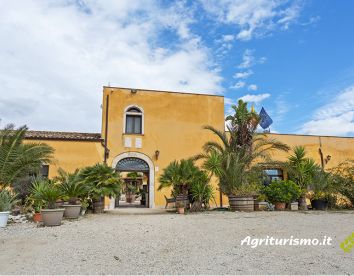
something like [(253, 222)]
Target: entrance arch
[(136, 161)]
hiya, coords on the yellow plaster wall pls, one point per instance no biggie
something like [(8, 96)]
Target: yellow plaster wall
[(173, 125), (70, 155)]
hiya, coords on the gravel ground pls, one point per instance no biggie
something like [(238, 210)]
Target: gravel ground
[(207, 243)]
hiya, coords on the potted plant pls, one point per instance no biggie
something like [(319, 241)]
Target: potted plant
[(7, 201), (37, 206), (49, 192), (130, 192), (322, 188), (101, 181), (180, 206), (180, 175), (282, 192), (260, 203), (72, 189), (234, 156), (201, 192)]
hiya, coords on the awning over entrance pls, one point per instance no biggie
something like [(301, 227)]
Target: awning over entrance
[(132, 164)]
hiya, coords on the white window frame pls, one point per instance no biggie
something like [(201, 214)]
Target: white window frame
[(133, 113)]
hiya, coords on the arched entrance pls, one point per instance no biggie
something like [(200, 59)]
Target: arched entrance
[(137, 162)]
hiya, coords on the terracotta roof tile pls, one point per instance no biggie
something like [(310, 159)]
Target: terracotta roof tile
[(59, 135)]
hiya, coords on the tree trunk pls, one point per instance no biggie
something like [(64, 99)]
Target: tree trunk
[(197, 206), (302, 203)]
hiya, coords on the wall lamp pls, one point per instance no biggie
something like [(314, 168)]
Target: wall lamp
[(157, 153)]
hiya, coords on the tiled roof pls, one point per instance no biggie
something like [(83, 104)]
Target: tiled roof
[(56, 135)]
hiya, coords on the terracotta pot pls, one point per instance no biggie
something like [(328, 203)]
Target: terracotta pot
[(37, 217), (52, 217), (241, 203), (280, 206), (72, 211), (180, 210)]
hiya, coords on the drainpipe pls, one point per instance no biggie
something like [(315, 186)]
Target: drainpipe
[(321, 153), (106, 132)]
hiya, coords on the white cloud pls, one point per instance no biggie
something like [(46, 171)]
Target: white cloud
[(228, 38), (243, 75), (252, 87), (238, 85), (255, 98), (56, 56), (335, 118), (248, 59), (253, 18)]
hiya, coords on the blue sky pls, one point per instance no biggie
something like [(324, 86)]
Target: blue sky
[(295, 58)]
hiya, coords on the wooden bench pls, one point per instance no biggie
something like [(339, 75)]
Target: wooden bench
[(169, 200)]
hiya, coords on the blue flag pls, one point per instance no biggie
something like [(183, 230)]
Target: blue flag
[(265, 121)]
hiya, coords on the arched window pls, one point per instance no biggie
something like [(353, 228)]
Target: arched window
[(134, 123)]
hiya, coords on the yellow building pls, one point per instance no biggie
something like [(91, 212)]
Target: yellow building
[(144, 130)]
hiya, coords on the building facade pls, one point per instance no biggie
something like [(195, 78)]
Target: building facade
[(143, 131)]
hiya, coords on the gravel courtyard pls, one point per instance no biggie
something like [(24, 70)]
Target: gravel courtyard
[(207, 243)]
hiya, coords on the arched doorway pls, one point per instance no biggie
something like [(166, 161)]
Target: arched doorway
[(131, 162)]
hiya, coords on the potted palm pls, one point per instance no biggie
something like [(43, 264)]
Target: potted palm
[(72, 188), (130, 192), (282, 192), (201, 192), (101, 181), (49, 192), (322, 188), (233, 158), (7, 201), (179, 175)]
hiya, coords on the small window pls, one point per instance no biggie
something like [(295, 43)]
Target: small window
[(272, 174), (133, 121), (44, 171)]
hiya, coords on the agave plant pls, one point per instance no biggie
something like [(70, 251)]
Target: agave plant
[(47, 191), (7, 200), (18, 159), (72, 186)]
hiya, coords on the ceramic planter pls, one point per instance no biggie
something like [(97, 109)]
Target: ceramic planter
[(241, 203), (4, 216), (37, 217), (294, 206), (280, 206), (72, 211), (52, 217)]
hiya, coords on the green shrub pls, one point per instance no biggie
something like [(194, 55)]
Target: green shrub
[(47, 191), (7, 200), (282, 191)]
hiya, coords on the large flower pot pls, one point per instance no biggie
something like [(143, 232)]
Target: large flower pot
[(72, 211), (241, 203), (4, 216), (52, 217), (280, 206), (319, 204), (98, 206), (37, 217)]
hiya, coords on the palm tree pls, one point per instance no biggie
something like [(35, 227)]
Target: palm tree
[(179, 175), (18, 159), (233, 159), (301, 170)]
